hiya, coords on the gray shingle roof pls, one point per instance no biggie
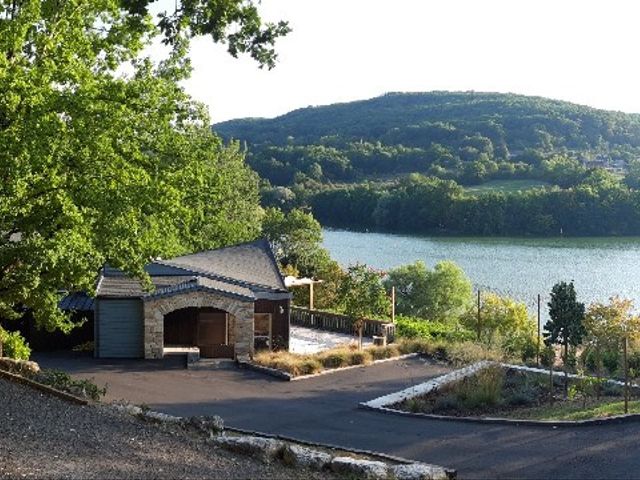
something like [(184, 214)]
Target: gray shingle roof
[(251, 264), (240, 270), (78, 301), (123, 286)]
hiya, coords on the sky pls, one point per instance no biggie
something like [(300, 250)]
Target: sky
[(582, 51)]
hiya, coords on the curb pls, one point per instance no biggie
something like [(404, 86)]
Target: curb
[(44, 388), (291, 378), (614, 420), (380, 404)]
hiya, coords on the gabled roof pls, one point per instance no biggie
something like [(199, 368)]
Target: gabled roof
[(249, 264), (247, 270)]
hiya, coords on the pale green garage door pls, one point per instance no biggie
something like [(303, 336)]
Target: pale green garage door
[(119, 328)]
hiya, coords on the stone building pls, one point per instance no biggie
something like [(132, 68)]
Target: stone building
[(224, 303)]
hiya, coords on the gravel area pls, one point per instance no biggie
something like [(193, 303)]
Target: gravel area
[(45, 437)]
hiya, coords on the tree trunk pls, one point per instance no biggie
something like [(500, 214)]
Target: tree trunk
[(0, 347), (626, 375)]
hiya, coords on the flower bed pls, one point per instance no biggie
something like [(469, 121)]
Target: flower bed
[(499, 391), (348, 356)]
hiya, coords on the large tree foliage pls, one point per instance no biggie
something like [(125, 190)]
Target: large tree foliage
[(103, 156), (502, 321), (565, 326), (361, 296), (614, 325), (441, 294)]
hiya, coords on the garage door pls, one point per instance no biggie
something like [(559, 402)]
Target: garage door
[(120, 328)]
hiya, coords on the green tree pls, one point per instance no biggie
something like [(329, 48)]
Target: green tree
[(600, 333), (441, 294), (103, 157), (362, 296), (617, 321), (296, 240), (565, 326), (504, 321)]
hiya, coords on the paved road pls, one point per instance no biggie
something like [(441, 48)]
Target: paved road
[(324, 409)]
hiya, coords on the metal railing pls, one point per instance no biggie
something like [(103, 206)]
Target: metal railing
[(334, 322)]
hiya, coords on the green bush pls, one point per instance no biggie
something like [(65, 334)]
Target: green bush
[(14, 345), (360, 357), (62, 381), (482, 389), (335, 358), (412, 327), (380, 353)]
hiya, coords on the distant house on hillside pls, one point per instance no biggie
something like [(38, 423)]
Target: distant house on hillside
[(225, 302)]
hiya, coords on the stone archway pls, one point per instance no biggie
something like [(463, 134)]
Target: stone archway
[(155, 308)]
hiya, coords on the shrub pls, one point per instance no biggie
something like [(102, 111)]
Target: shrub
[(482, 389), (468, 352), (62, 381), (446, 404), (14, 345), (335, 358), (361, 357), (380, 353), (412, 327)]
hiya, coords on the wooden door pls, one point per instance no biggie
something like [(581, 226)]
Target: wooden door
[(213, 335)]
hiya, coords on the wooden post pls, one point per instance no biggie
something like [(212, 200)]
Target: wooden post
[(626, 374), (538, 347), (479, 320), (393, 304), (311, 296)]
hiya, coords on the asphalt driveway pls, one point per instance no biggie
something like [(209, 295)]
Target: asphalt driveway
[(324, 409)]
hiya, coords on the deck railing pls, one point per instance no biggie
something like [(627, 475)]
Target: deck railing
[(334, 322)]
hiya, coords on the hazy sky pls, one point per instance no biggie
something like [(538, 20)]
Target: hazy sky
[(583, 51)]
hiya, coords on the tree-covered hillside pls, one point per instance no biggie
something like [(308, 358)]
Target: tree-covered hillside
[(466, 136), (355, 164)]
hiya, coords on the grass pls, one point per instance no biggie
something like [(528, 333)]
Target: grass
[(298, 364), (506, 186), (606, 407)]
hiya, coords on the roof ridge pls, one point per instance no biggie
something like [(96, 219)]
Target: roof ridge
[(257, 241)]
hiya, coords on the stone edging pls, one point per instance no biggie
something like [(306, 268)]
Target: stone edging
[(43, 388), (267, 447), (381, 404), (274, 372)]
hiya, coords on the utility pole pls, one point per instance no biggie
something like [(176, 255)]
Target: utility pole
[(479, 320), (538, 349)]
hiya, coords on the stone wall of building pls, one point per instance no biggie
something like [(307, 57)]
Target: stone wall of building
[(240, 321)]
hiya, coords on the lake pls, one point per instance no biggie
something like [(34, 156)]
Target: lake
[(519, 267)]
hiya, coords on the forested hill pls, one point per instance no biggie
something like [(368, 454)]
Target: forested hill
[(419, 119), (452, 163)]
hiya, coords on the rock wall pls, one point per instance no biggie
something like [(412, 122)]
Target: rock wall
[(240, 325)]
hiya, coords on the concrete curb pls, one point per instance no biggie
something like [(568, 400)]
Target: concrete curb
[(43, 388), (380, 404), (291, 378)]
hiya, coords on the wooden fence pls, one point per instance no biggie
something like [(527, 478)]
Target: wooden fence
[(334, 322)]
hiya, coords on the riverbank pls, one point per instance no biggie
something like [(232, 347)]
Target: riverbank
[(519, 267)]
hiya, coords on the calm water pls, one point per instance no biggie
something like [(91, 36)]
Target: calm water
[(521, 268)]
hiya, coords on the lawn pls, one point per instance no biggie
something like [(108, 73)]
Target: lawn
[(506, 186)]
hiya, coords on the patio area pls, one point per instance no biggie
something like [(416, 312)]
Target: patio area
[(309, 340)]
